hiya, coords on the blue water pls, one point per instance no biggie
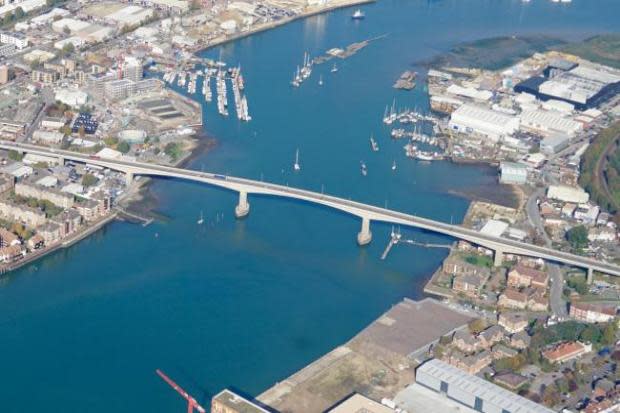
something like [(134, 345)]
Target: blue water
[(246, 303)]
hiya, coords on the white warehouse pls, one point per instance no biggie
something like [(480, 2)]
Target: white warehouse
[(473, 391), (484, 122), (548, 122)]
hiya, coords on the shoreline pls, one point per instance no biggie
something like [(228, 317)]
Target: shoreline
[(276, 24)]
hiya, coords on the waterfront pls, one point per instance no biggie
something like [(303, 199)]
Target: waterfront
[(245, 304)]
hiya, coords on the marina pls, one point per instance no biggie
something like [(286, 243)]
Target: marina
[(214, 70)]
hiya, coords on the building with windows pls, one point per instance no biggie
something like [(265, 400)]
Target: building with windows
[(19, 40), (472, 391), (593, 312), (21, 213), (56, 197)]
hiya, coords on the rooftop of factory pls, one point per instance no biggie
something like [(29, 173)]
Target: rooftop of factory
[(473, 385), (237, 403)]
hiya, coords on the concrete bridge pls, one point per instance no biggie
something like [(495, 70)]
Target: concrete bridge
[(366, 213)]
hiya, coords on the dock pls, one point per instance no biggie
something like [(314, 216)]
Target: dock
[(396, 238)]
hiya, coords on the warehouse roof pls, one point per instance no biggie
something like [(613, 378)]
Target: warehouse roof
[(480, 388)]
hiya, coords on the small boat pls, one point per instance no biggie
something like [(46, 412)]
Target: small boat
[(200, 220), (334, 68), (358, 15), (321, 81), (296, 165), (363, 168), (394, 165), (373, 144)]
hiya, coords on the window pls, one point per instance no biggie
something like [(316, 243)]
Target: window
[(478, 404)]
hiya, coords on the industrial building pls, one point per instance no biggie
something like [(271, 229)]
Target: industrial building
[(483, 122), (548, 122), (358, 403), (228, 402), (584, 85), (568, 194), (472, 391), (512, 173), (554, 144)]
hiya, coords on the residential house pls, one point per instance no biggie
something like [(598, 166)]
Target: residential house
[(512, 298), (513, 322), (69, 220), (491, 335), (456, 266), (7, 238), (524, 276), (593, 313), (566, 351), (500, 351), (11, 253), (537, 300), (466, 342), (470, 285), (520, 340), (35, 242), (509, 380), (50, 232), (13, 212), (470, 364)]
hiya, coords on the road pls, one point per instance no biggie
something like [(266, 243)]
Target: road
[(556, 301), (364, 211)]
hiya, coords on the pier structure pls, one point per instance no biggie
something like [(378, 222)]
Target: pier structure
[(367, 213)]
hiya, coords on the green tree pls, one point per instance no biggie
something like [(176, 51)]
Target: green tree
[(578, 237), (477, 325), (15, 156), (609, 333), (173, 150), (66, 30), (68, 48), (89, 180), (591, 334), (123, 147), (19, 13)]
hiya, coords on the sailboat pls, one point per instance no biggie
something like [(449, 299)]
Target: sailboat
[(394, 165), (201, 219), (296, 165), (334, 68), (363, 168), (321, 80), (373, 144)]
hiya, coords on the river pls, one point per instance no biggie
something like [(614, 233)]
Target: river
[(246, 303)]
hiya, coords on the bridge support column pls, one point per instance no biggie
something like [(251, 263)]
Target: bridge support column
[(590, 276), (128, 178), (243, 207), (364, 236), (61, 161), (498, 258)]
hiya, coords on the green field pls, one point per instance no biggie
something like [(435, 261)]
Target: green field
[(604, 49)]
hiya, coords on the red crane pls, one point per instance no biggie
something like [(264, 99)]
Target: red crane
[(191, 402)]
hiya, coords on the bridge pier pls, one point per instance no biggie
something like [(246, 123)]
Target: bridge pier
[(498, 258), (128, 178), (590, 276), (364, 236), (243, 207), (61, 161)]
